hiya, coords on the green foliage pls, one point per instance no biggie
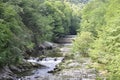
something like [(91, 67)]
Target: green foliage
[(11, 42), (102, 19), (48, 18), (25, 24), (82, 43), (93, 16)]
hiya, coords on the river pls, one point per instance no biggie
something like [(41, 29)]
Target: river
[(49, 63), (74, 69)]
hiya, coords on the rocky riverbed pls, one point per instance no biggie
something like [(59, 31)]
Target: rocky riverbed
[(66, 67), (48, 66)]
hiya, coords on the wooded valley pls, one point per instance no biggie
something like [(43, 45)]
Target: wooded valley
[(25, 24)]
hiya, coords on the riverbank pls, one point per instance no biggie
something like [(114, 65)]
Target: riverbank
[(11, 72), (66, 66), (31, 63)]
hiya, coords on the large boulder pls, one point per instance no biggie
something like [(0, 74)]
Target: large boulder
[(48, 45), (41, 47)]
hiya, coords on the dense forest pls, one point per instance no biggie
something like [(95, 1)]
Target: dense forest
[(25, 24), (99, 35)]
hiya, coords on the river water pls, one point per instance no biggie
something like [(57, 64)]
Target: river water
[(49, 64)]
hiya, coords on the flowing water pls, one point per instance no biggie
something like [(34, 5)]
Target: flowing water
[(49, 64), (73, 71)]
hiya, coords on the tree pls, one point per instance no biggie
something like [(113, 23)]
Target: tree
[(82, 43), (12, 37), (102, 19)]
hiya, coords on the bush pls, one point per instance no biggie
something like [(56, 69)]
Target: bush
[(82, 43)]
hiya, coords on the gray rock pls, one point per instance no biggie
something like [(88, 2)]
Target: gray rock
[(92, 76), (47, 44), (14, 69), (73, 64), (35, 64), (7, 74)]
